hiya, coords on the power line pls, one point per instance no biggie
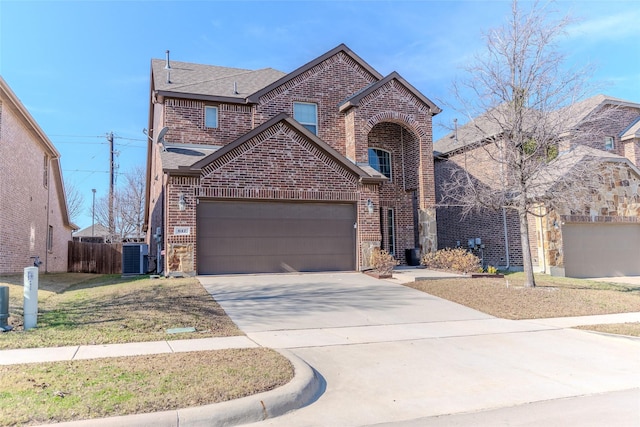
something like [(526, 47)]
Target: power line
[(78, 136)]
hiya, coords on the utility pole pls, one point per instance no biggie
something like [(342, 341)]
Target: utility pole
[(93, 213), (111, 185)]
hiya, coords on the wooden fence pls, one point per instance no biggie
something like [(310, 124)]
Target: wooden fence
[(101, 258)]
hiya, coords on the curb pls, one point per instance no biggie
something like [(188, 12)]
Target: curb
[(303, 389)]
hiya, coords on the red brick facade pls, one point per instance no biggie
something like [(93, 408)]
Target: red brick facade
[(265, 157), (31, 193)]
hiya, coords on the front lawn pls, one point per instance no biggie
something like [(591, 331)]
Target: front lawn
[(552, 297), (77, 309), (84, 389)]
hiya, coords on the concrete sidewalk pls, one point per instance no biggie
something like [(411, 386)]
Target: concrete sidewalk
[(79, 352), (310, 337)]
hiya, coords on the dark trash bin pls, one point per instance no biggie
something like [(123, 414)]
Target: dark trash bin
[(412, 256)]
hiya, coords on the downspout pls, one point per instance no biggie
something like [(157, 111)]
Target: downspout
[(47, 243), (506, 238), (544, 257), (404, 184)]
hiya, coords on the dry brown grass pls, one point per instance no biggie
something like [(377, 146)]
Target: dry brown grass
[(77, 309), (84, 389), (552, 297), (80, 309), (629, 329)]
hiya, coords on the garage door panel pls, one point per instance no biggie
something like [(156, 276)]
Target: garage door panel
[(278, 228), (601, 250), (252, 237)]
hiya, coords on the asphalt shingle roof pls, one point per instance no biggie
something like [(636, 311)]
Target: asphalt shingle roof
[(483, 127), (176, 156), (211, 80)]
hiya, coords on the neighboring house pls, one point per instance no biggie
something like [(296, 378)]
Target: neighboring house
[(601, 239), (99, 233), (262, 171), (34, 221), (96, 233)]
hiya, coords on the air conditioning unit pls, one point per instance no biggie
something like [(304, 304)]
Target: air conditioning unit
[(135, 258)]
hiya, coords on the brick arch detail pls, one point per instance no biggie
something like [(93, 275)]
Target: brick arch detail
[(403, 119)]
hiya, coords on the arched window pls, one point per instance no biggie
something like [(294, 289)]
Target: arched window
[(380, 160)]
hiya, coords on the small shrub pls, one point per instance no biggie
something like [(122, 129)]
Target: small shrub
[(492, 270), (457, 259), (383, 262)]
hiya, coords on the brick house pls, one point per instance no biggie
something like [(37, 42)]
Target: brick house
[(265, 171), (33, 219), (600, 240)]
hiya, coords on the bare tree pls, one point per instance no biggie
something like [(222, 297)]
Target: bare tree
[(519, 100), (75, 200), (131, 202), (128, 207)]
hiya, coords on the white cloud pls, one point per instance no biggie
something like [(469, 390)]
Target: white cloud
[(606, 28)]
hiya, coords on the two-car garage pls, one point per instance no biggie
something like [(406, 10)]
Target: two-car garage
[(237, 236)]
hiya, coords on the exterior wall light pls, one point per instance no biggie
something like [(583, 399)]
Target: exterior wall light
[(370, 206), (182, 202)]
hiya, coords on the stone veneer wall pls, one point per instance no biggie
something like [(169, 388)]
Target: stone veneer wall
[(619, 201)]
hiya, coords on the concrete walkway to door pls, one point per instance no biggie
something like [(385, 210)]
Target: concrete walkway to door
[(392, 354)]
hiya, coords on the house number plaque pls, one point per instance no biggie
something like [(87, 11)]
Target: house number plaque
[(181, 231)]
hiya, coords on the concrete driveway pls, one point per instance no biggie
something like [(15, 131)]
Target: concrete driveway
[(391, 354)]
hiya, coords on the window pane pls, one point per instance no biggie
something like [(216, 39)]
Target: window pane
[(374, 161), (608, 142), (312, 128), (304, 113), (380, 160), (211, 117)]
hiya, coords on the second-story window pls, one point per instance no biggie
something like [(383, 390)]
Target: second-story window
[(306, 113), (608, 143), (211, 117), (380, 160)]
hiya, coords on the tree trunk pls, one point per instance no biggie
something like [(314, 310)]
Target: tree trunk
[(527, 262)]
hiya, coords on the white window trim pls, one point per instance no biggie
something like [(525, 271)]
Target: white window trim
[(207, 107), (307, 123)]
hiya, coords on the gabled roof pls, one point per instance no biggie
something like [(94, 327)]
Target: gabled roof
[(354, 100), (568, 160), (484, 127), (477, 129), (97, 230), (292, 75), (201, 162), (574, 114), (210, 82), (631, 132)]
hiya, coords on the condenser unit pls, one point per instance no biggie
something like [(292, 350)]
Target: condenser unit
[(135, 258)]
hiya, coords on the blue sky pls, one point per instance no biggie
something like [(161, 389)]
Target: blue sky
[(82, 67)]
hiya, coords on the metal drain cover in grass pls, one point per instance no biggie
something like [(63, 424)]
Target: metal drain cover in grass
[(181, 330)]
